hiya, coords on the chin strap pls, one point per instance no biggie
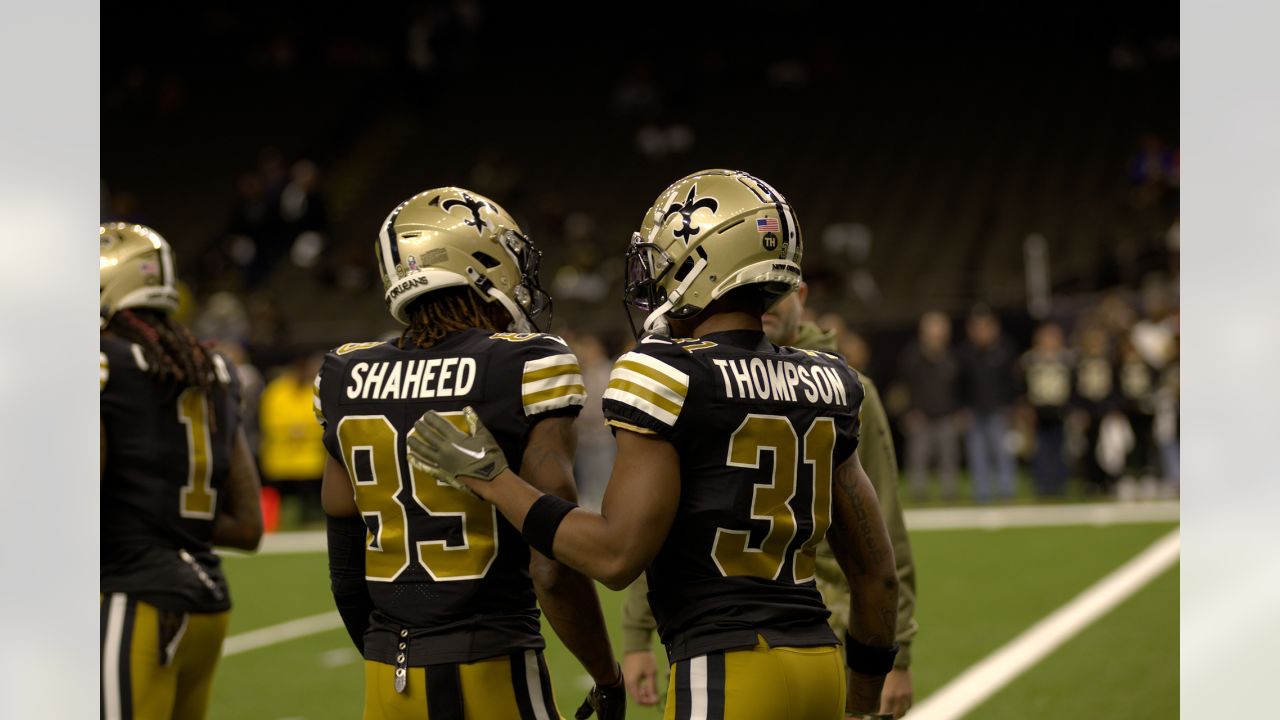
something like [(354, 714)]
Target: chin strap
[(519, 319), (656, 322)]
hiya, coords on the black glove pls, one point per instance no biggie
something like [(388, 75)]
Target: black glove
[(608, 702)]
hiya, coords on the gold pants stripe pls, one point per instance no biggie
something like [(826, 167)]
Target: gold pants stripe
[(157, 664), (759, 683), (515, 686)]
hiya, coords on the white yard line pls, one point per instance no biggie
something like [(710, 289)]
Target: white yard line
[(273, 634), (921, 520), (983, 679), (995, 518)]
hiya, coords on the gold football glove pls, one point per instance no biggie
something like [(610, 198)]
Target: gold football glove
[(439, 448)]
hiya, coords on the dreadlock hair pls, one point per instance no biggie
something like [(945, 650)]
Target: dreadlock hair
[(173, 354), (444, 312)]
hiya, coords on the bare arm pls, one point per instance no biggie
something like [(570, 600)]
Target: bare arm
[(239, 522), (346, 532), (567, 597), (337, 495), (639, 506), (861, 545)]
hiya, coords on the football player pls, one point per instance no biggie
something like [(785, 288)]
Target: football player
[(436, 589), (784, 324), (735, 456), (177, 478)]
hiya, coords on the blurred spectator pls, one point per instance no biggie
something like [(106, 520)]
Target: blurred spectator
[(928, 371), (594, 460), (1046, 373), (1168, 403), (989, 388), (251, 384), (1095, 400), (291, 453), (1153, 335), (1138, 384), (303, 213), (223, 317)]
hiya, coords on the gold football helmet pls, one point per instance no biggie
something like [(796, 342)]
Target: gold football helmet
[(448, 237), (135, 269), (708, 233)]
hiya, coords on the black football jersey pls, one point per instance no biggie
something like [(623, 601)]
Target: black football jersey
[(168, 457), (443, 567), (760, 430)]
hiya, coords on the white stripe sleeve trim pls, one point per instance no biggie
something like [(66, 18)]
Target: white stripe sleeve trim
[(550, 361), (641, 404), (648, 384), (551, 382), (656, 364)]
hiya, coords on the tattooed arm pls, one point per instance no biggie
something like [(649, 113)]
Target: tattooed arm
[(567, 597), (860, 542)]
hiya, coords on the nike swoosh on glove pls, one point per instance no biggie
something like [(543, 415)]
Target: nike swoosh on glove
[(440, 449)]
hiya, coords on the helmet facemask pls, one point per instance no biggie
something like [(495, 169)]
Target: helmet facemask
[(528, 296)]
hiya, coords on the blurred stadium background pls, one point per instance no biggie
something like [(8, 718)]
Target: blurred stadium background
[(987, 156)]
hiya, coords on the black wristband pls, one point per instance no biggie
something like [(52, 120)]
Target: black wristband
[(542, 521), (867, 659)]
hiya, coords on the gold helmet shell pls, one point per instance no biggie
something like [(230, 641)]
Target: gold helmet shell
[(449, 237), (706, 234), (135, 269)]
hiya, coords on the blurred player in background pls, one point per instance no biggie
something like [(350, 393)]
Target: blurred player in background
[(729, 539), (784, 325), (435, 589), (177, 478)]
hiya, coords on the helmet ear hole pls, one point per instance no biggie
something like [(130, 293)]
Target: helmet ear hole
[(685, 268), (487, 260)]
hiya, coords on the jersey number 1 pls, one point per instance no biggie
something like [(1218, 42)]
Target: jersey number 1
[(197, 499), (377, 481), (772, 502)]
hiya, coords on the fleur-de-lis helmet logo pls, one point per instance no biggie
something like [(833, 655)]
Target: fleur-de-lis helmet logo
[(475, 206), (691, 204)]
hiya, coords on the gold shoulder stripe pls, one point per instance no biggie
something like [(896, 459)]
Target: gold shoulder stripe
[(540, 396), (550, 372), (644, 394), (659, 377)]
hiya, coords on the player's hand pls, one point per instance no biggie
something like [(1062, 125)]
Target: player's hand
[(438, 448), (896, 697), (641, 673), (608, 702)]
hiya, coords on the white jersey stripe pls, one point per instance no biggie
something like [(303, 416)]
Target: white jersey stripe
[(551, 382), (656, 364), (649, 384), (550, 361), (556, 403), (640, 404)]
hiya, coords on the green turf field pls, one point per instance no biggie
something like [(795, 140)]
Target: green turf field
[(977, 590)]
